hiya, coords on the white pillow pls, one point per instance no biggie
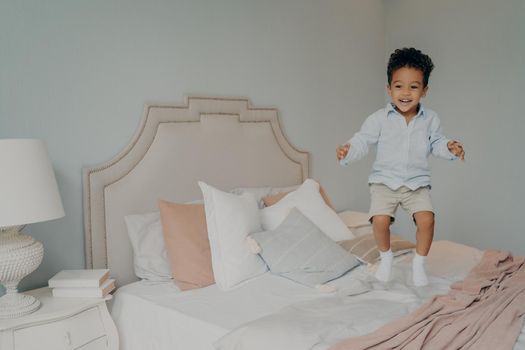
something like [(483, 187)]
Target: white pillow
[(150, 259), (230, 218), (309, 202)]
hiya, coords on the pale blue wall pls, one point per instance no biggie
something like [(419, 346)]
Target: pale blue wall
[(77, 74)]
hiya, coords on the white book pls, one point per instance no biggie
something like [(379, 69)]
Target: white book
[(79, 278), (85, 292)]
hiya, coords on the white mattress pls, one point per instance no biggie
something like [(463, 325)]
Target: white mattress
[(159, 316)]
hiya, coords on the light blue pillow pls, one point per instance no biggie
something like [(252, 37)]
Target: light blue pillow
[(297, 249)]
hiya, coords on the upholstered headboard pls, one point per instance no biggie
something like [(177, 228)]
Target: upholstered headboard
[(223, 141)]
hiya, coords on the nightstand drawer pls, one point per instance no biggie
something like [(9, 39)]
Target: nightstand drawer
[(69, 333)]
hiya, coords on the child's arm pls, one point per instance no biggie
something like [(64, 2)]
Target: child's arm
[(443, 147), (359, 143)]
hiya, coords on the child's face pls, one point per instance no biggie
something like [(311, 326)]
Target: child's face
[(406, 90)]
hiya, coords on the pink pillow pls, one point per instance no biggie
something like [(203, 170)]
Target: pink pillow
[(272, 199), (186, 237)]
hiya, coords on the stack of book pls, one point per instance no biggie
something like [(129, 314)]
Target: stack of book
[(82, 283)]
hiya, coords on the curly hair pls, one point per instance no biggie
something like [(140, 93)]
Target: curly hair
[(409, 57)]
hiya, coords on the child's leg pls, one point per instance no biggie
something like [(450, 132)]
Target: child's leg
[(381, 225), (383, 205), (424, 234), (425, 231), (418, 204)]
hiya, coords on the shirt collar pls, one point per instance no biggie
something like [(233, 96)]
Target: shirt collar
[(390, 107)]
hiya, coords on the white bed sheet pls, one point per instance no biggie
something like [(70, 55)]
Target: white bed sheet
[(159, 316)]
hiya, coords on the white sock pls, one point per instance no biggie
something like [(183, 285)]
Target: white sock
[(385, 266), (418, 270)]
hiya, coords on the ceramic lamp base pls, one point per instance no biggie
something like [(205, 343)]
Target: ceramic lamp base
[(19, 256), (14, 305)]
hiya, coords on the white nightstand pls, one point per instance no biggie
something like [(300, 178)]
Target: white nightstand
[(60, 324)]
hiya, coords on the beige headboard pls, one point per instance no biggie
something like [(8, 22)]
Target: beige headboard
[(223, 141)]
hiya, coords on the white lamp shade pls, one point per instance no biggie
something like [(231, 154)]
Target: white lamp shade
[(28, 188)]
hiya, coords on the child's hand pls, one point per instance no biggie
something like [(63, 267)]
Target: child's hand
[(342, 151), (456, 148)]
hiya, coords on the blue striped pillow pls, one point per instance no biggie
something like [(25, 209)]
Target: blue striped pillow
[(297, 249)]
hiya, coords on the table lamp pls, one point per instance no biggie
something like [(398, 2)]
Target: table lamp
[(28, 194)]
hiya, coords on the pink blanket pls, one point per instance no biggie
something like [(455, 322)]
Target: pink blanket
[(484, 311)]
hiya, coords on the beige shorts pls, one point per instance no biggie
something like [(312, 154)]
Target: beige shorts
[(384, 201)]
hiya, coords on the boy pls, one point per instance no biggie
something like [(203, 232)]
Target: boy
[(405, 134)]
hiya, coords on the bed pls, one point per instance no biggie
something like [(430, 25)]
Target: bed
[(215, 140)]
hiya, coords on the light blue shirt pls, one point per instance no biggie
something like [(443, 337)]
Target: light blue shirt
[(402, 150)]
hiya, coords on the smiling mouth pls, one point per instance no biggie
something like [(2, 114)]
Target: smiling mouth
[(405, 101)]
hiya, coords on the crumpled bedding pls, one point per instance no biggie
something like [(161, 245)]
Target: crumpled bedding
[(485, 311), (320, 324)]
